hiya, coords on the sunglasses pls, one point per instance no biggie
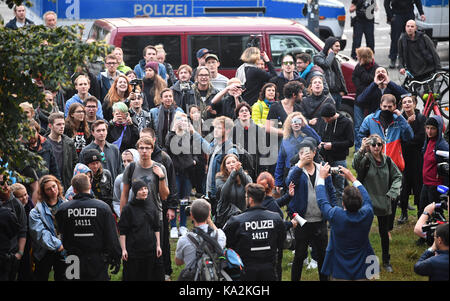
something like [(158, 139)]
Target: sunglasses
[(288, 63), (6, 181), (377, 144)]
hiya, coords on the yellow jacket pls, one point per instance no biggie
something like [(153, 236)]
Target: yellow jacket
[(259, 112)]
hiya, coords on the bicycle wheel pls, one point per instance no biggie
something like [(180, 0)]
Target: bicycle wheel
[(443, 103)]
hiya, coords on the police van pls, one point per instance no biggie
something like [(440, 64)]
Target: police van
[(436, 22), (331, 12)]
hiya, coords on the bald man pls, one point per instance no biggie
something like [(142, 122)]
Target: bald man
[(417, 53)]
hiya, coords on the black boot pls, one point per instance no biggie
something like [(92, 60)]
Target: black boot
[(403, 218), (388, 267)]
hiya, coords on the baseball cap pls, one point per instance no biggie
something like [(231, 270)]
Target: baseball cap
[(202, 52), (210, 55)]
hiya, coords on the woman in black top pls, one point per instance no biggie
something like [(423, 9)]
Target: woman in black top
[(77, 127), (251, 76), (412, 154)]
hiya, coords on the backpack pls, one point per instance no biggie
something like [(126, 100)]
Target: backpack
[(212, 263)]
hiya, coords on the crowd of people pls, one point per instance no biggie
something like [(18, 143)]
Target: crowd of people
[(126, 152)]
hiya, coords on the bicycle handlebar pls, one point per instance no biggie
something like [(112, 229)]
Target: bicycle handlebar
[(425, 81)]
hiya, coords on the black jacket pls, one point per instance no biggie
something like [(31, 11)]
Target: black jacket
[(255, 80), (162, 157), (130, 136), (363, 76), (138, 222), (183, 97), (9, 227), (340, 134), (88, 230), (12, 24), (257, 234)]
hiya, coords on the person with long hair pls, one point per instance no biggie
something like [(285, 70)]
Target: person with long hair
[(251, 75), (362, 77), (260, 109), (295, 129), (120, 91), (382, 179), (77, 127), (412, 154), (230, 184), (152, 85), (180, 148), (46, 243)]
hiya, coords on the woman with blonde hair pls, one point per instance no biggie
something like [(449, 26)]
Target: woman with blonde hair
[(251, 76), (120, 91), (362, 77), (46, 243), (295, 129), (77, 126)]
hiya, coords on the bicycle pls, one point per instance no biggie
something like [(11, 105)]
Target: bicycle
[(433, 92)]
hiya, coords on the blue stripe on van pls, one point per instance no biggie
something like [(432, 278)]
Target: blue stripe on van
[(429, 3)]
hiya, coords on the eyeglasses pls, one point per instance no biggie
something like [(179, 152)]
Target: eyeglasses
[(377, 144), (288, 63), (91, 107), (146, 149), (78, 112), (111, 64)]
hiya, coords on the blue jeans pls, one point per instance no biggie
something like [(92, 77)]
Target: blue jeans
[(337, 99), (184, 192), (338, 181), (358, 117)]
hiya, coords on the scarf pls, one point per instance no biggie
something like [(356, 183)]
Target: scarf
[(306, 71), (268, 103)]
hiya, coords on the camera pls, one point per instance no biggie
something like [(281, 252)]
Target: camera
[(335, 170), (134, 83), (442, 169), (436, 218), (185, 86), (242, 87), (187, 211)]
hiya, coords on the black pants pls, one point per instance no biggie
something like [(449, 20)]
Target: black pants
[(366, 28), (383, 229), (392, 215), (259, 272), (44, 266), (428, 195), (315, 235), (398, 23), (410, 183), (141, 269), (165, 245)]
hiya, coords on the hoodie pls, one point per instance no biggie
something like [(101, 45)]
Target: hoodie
[(440, 144), (340, 134), (79, 169)]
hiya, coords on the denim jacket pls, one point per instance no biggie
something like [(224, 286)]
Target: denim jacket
[(42, 230)]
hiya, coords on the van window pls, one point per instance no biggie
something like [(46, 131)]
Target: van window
[(98, 33), (133, 46), (289, 44), (227, 47)]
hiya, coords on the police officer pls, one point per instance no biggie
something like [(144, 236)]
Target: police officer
[(9, 228), (89, 232), (17, 245), (257, 235)]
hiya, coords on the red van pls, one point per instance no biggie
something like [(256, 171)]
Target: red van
[(228, 37)]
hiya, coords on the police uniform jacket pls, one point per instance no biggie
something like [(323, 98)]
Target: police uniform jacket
[(87, 227), (256, 235)]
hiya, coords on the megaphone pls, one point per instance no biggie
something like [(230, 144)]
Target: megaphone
[(299, 219)]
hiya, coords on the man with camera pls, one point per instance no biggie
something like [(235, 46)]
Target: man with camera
[(183, 90), (434, 261), (349, 245), (337, 137), (200, 212)]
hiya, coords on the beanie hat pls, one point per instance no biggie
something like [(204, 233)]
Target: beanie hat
[(153, 65), (328, 110), (138, 184), (202, 52), (432, 121), (91, 155)]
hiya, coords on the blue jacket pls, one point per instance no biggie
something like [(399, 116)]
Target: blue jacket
[(371, 96), (299, 202), (290, 147), (399, 130), (139, 69), (76, 98), (42, 230), (349, 245), (436, 267)]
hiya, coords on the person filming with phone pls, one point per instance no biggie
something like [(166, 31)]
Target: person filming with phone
[(349, 245)]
